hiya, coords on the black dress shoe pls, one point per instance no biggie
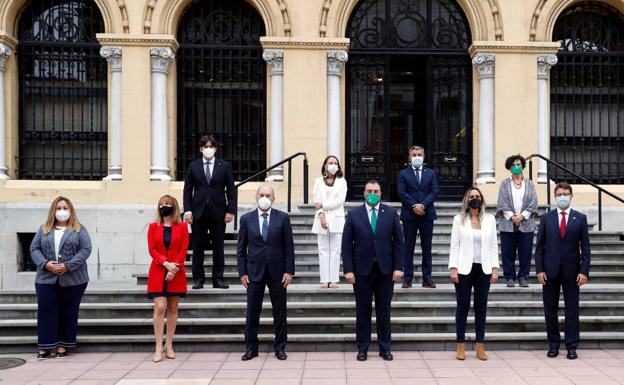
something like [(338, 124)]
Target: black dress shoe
[(428, 284), (220, 285), (362, 356), (553, 352), (386, 355), (281, 355), (198, 286), (61, 354), (249, 355), (572, 354), (44, 355), (407, 285)]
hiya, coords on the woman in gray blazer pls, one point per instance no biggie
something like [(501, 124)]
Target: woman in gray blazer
[(60, 250)]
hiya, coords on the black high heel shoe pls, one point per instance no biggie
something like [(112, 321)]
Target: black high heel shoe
[(61, 354), (43, 354)]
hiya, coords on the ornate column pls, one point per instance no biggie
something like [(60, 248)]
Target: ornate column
[(484, 62), (5, 52), (544, 63), (335, 62), (160, 59), (113, 56), (275, 59)]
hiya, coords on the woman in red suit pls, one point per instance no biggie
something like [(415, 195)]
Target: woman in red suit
[(167, 240)]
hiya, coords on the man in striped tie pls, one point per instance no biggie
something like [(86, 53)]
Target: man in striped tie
[(562, 256), (372, 256)]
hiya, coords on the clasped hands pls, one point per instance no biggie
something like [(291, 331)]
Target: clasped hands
[(56, 268), (418, 209), (172, 270)]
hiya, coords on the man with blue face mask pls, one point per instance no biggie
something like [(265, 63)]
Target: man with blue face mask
[(560, 266), (372, 256), (418, 190)]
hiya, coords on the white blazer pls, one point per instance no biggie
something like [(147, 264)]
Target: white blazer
[(333, 199), (461, 252)]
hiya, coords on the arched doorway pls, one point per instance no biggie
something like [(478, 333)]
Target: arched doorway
[(63, 119), (222, 84), (409, 82), (587, 83)]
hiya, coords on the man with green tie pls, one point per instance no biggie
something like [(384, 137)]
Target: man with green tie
[(372, 255)]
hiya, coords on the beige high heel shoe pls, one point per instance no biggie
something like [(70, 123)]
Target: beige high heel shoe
[(158, 356), (170, 354)]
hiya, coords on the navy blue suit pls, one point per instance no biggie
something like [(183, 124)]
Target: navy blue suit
[(410, 193), (562, 259), (265, 263), (372, 257), (209, 203)]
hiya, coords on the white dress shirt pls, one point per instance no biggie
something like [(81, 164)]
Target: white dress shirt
[(567, 215), (58, 234), (261, 218), (369, 210), (518, 198)]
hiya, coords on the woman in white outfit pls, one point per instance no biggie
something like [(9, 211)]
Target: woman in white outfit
[(329, 194)]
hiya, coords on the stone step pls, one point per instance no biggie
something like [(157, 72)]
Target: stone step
[(311, 309), (438, 264), (312, 293), (311, 325), (313, 342), (310, 277)]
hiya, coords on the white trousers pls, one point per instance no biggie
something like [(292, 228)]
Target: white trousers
[(329, 256)]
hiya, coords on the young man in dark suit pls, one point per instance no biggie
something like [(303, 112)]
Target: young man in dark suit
[(209, 203), (562, 257), (372, 255), (266, 257), (418, 190)]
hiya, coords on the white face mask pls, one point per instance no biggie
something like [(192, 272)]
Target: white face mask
[(332, 169), (417, 161), (264, 203), (61, 215), (208, 152)]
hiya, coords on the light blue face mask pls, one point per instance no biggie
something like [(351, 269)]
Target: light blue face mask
[(417, 161), (563, 201)]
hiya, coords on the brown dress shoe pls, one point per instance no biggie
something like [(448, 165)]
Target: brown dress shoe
[(461, 351), (481, 351)]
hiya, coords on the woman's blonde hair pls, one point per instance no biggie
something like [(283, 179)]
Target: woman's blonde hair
[(465, 209), (73, 224), (168, 199)]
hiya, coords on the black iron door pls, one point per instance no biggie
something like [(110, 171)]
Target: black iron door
[(63, 124), (587, 94), (409, 82), (222, 84)]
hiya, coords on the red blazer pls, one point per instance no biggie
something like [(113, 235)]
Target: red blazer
[(176, 254)]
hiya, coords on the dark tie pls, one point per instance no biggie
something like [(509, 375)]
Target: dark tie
[(417, 176), (207, 171), (265, 227), (374, 220), (562, 227)]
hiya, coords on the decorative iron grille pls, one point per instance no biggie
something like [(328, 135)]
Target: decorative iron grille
[(409, 81), (587, 94), (63, 121), (222, 84)]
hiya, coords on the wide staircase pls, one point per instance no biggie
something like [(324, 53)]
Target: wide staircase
[(119, 318)]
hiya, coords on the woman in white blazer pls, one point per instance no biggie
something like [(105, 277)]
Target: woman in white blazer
[(329, 194), (473, 261)]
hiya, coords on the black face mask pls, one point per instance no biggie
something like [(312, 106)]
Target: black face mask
[(474, 203), (165, 211)]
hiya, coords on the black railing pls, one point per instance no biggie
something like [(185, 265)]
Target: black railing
[(289, 180), (577, 176)]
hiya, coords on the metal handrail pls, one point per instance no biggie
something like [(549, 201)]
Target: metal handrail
[(601, 190), (263, 172)]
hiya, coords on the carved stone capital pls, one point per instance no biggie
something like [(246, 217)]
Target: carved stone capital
[(275, 58), (484, 62), (160, 58), (5, 52), (544, 63), (335, 61), (113, 56)]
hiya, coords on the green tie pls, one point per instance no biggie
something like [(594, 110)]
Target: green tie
[(374, 220)]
